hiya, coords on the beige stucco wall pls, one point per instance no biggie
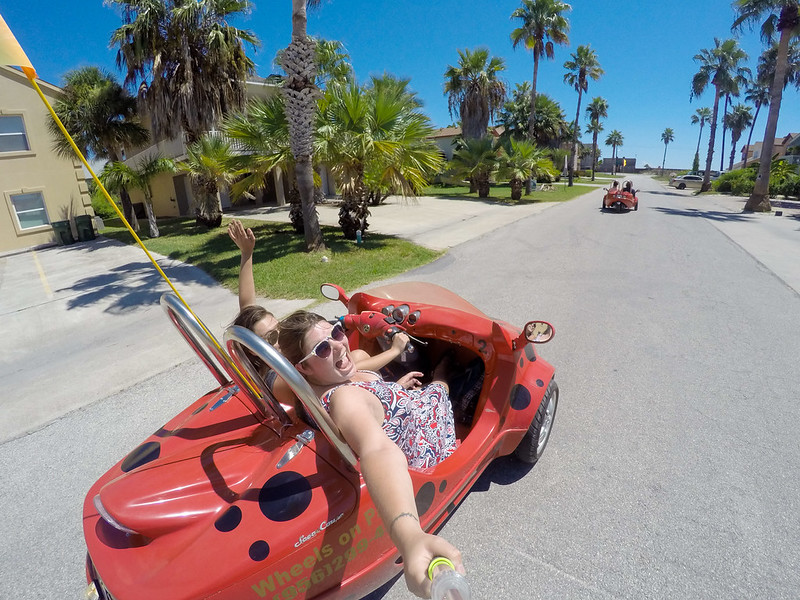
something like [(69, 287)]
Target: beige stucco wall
[(60, 181)]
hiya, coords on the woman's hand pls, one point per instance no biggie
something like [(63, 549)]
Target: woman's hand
[(410, 380), (400, 341), (245, 239), (418, 554)]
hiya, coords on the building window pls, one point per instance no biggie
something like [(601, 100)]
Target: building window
[(30, 210), (12, 134)]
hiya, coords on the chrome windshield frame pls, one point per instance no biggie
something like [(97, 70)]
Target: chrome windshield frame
[(236, 337), (221, 365)]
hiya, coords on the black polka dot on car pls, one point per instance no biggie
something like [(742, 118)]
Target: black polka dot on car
[(530, 353), (539, 383), (229, 520), (424, 497), (285, 496), (147, 452), (443, 486), (520, 397), (259, 550)]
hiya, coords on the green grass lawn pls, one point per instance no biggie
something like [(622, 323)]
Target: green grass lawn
[(281, 267), (502, 193)]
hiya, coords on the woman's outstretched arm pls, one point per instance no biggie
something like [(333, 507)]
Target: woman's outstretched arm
[(246, 241), (359, 416)]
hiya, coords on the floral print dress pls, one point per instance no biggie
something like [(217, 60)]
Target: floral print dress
[(419, 421)]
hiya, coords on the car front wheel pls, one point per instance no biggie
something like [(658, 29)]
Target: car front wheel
[(681, 186), (532, 446)]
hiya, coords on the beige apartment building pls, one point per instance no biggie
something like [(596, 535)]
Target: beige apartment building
[(173, 193), (38, 188)]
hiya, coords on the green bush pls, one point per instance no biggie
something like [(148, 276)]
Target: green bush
[(739, 182), (102, 208), (789, 187)]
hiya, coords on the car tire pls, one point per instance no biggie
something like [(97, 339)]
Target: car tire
[(681, 186), (619, 207), (636, 206), (532, 446)]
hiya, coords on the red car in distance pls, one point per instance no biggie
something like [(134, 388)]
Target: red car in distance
[(621, 199)]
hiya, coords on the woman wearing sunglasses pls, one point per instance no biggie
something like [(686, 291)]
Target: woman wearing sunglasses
[(263, 323), (391, 426)]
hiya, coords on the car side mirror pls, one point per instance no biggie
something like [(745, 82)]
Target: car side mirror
[(334, 292), (538, 332)]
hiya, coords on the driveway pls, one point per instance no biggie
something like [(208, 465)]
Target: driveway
[(83, 321)]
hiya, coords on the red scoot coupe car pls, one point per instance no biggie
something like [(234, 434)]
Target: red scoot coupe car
[(242, 497), (620, 200)]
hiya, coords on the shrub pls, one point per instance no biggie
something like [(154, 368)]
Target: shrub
[(100, 204), (739, 182)]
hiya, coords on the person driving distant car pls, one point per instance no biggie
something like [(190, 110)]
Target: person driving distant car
[(628, 187)]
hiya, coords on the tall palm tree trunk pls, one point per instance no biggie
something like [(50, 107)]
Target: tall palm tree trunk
[(151, 216), (594, 153), (759, 199), (734, 140), (664, 160), (532, 117), (574, 149), (712, 134), (724, 130), (300, 94), (613, 159), (750, 135), (699, 138)]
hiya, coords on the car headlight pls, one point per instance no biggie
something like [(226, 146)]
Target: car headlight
[(106, 516)]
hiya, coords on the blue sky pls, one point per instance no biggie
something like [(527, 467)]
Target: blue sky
[(645, 48)]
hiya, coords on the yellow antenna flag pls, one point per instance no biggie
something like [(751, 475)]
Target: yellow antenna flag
[(11, 53)]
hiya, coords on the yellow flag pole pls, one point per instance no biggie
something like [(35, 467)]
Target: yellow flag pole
[(11, 53)]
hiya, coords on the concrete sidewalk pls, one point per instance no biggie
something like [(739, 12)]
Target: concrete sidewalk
[(773, 239), (433, 222)]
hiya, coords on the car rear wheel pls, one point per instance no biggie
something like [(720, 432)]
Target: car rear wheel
[(532, 446)]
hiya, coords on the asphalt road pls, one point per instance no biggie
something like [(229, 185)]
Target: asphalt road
[(672, 470)]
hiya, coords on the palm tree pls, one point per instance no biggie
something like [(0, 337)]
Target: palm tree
[(667, 136), (377, 141), (101, 117), (597, 109), (332, 62), (477, 161), (738, 120), (117, 176), (701, 115), (208, 165), (718, 67), (594, 127), (782, 16), (758, 96), (551, 123), (301, 94), (731, 89), (543, 25), (614, 140), (758, 92), (261, 135), (187, 62), (475, 89), (583, 66), (521, 158)]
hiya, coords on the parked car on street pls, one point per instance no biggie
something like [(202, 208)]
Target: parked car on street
[(683, 181)]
